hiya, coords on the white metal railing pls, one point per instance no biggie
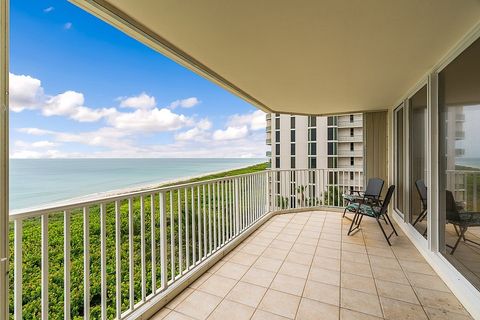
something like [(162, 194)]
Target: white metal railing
[(108, 257), (350, 124), (350, 153), (465, 185), (348, 138)]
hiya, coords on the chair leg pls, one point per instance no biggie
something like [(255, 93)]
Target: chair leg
[(421, 216), (355, 225), (383, 231), (462, 234), (391, 224), (344, 212), (351, 224)]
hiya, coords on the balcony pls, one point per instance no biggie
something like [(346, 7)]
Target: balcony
[(350, 124), (350, 153), (348, 138), (268, 141), (229, 246)]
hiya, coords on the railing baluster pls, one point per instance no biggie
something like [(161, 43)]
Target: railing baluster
[(187, 230), (103, 261), (222, 211), (86, 263), (142, 249), (215, 215), (172, 238), (199, 225), (153, 241), (18, 269), (209, 218), (180, 233), (194, 240), (44, 266), (118, 260), (66, 264), (130, 255), (163, 240), (204, 224)]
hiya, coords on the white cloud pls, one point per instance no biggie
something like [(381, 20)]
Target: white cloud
[(198, 133), (44, 144), (231, 133), (142, 101), (67, 26), (48, 9), (184, 103), (35, 131), (254, 120), (25, 92)]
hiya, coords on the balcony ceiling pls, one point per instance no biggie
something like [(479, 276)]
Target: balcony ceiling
[(317, 56)]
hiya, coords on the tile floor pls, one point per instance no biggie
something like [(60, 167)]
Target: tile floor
[(304, 266)]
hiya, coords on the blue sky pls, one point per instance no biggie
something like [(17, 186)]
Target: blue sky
[(80, 88)]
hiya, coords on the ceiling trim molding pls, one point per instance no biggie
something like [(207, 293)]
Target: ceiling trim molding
[(115, 17)]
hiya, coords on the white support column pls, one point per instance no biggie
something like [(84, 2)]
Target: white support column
[(4, 49)]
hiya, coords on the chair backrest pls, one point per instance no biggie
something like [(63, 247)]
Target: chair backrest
[(422, 192), (451, 209), (387, 199), (374, 188)]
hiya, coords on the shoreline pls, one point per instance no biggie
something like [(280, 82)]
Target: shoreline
[(122, 191)]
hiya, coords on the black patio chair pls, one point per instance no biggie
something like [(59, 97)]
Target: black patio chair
[(460, 220), (422, 192), (370, 195), (375, 210)]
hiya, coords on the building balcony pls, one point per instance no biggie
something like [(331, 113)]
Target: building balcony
[(348, 124), (268, 153), (268, 116), (268, 141), (348, 138), (350, 153), (225, 246)]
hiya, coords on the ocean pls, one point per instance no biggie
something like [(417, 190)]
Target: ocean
[(41, 181)]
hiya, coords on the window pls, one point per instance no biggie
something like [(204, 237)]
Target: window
[(332, 148), (352, 175), (312, 149), (277, 149), (332, 133), (277, 136), (277, 123), (418, 129), (312, 121), (351, 132), (332, 121), (458, 159), (351, 118), (312, 134), (332, 162), (312, 162), (277, 162), (292, 149), (292, 162), (352, 161), (292, 122), (352, 146), (292, 135)]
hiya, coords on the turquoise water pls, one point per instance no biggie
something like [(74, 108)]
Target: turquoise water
[(41, 181)]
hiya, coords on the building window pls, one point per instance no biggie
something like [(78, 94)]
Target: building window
[(351, 132), (277, 136), (277, 162), (277, 123), (352, 161), (351, 118), (351, 175), (277, 149), (292, 135), (312, 162), (332, 148), (292, 149), (292, 162), (312, 149), (332, 121), (332, 162), (312, 121), (352, 146), (332, 133), (292, 122), (312, 134)]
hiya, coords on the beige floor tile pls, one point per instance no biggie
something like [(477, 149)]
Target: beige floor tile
[(197, 283), (174, 315), (243, 258), (358, 269), (437, 314), (198, 305), (324, 276), (346, 314), (418, 267), (392, 275), (328, 252), (390, 263), (218, 285), (268, 264), (322, 292), (279, 254), (301, 258), (247, 294), (253, 249), (329, 244), (396, 291), (259, 277), (232, 270), (280, 303), (264, 315), (354, 257), (304, 248), (439, 300), (279, 244), (294, 270), (313, 310), (326, 263), (288, 284), (361, 302), (352, 247), (399, 310), (231, 310), (426, 281), (359, 283), (381, 252)]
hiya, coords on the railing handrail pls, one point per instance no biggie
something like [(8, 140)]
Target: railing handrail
[(104, 198)]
